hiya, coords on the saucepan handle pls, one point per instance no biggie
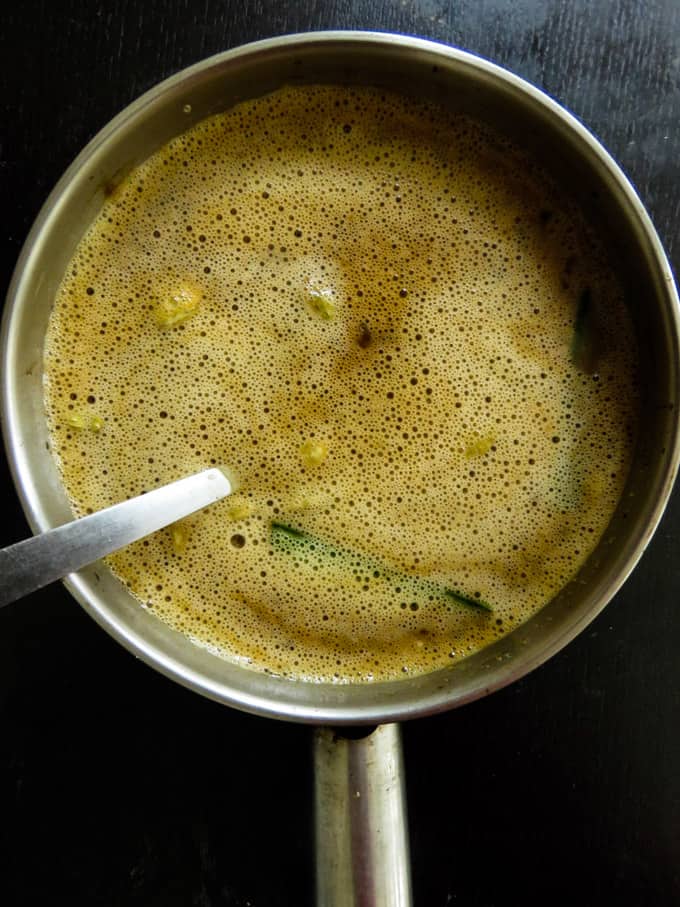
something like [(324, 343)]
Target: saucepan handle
[(362, 854)]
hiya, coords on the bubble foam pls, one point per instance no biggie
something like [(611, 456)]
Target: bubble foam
[(365, 307)]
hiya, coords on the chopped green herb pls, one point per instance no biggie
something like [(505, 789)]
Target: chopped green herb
[(279, 529), (584, 342), (466, 600), (340, 565)]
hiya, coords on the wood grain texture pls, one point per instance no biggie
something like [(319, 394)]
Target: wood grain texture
[(117, 787)]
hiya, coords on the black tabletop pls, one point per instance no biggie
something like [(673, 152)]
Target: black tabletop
[(118, 787)]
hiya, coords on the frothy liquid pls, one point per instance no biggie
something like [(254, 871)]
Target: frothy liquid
[(404, 345)]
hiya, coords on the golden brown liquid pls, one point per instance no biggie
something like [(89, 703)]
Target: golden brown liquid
[(380, 350)]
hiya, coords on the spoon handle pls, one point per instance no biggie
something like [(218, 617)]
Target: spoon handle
[(35, 562)]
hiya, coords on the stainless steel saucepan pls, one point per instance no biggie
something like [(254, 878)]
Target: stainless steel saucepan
[(361, 834)]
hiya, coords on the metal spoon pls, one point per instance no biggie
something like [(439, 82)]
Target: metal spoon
[(35, 562)]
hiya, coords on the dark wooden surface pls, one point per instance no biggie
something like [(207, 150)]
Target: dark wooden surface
[(118, 787)]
